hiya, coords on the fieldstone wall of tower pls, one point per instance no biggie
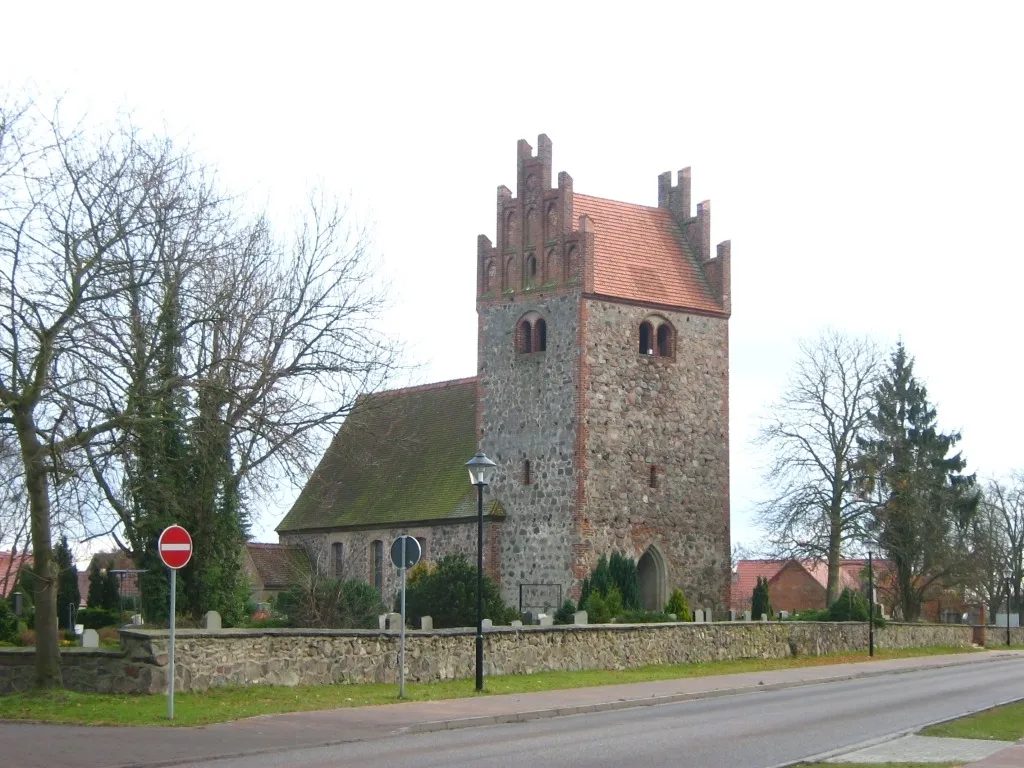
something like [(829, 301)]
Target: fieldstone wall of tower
[(669, 413), (528, 413)]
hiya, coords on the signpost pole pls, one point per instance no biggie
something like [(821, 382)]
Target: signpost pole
[(170, 681), (401, 642)]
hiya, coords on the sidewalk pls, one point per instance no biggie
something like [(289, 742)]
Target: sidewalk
[(26, 744)]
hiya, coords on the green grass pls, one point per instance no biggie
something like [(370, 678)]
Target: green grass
[(223, 704), (880, 765), (1004, 723)]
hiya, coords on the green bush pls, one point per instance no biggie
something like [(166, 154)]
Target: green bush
[(677, 604), (849, 606), (811, 615), (602, 609), (447, 593), (330, 604), (566, 614), (98, 618), (8, 624), (643, 617), (619, 572)]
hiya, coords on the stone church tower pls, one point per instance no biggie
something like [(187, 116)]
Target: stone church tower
[(603, 386)]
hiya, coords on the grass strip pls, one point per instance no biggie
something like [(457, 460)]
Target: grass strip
[(879, 765), (1004, 723), (233, 703)]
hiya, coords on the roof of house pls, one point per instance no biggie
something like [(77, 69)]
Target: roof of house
[(747, 572), (398, 458), (10, 564), (277, 565), (640, 254)]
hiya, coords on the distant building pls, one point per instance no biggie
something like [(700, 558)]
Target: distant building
[(10, 564), (273, 568)]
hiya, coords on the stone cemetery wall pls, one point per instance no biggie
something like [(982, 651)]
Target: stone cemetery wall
[(205, 659)]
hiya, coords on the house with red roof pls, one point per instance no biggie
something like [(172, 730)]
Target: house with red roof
[(10, 564), (601, 393)]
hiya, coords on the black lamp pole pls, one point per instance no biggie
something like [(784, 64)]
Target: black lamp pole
[(1007, 608), (481, 470), (480, 586), (871, 608)]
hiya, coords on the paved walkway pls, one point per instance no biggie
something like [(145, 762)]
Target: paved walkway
[(27, 745)]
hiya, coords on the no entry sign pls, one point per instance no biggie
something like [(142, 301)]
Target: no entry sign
[(175, 547)]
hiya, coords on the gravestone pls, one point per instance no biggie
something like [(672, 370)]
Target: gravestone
[(580, 617), (783, 615), (698, 615), (531, 618), (764, 617), (546, 621), (211, 621), (137, 619), (487, 624), (707, 616), (673, 617), (382, 621), (732, 614), (90, 639), (517, 623), (394, 621), (746, 616), (426, 622)]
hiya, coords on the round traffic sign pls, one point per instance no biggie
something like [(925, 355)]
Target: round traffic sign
[(175, 547), (412, 552)]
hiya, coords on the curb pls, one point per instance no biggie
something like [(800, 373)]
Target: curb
[(653, 701), (823, 756)]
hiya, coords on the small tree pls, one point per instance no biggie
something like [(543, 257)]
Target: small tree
[(619, 572), (447, 593), (67, 582), (677, 604), (760, 602), (95, 597), (850, 606)]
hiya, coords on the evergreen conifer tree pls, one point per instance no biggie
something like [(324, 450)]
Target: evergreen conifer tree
[(760, 602), (67, 582), (922, 503), (94, 599)]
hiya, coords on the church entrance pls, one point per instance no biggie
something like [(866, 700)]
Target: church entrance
[(653, 578)]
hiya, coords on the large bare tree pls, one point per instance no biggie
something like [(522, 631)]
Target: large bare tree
[(814, 512), (1002, 522)]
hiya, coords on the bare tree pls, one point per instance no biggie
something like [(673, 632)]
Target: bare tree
[(814, 512), (1002, 506)]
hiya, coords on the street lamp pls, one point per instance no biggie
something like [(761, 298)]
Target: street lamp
[(481, 472), (1006, 577)]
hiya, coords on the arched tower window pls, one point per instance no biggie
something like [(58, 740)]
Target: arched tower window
[(664, 346), (531, 334), (531, 267), (657, 337), (646, 338)]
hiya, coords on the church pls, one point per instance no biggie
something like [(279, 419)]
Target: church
[(602, 394)]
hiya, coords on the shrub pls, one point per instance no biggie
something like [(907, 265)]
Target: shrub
[(566, 614), (602, 609), (677, 604), (97, 618), (330, 604), (619, 572), (8, 623), (760, 602), (447, 593), (811, 615), (849, 606)]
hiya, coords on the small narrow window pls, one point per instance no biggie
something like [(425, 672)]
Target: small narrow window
[(531, 266), (527, 478), (338, 559), (541, 329), (653, 478), (525, 337), (646, 339), (378, 565), (664, 348)]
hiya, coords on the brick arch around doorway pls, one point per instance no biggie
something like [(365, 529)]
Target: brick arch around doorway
[(653, 577)]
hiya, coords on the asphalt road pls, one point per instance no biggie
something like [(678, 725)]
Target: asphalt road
[(743, 731)]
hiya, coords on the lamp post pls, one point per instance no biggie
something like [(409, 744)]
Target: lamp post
[(1006, 577), (481, 471)]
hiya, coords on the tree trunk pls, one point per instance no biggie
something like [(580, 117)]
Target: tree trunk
[(834, 552), (43, 565)]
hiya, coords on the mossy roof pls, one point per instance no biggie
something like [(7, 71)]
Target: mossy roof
[(398, 458)]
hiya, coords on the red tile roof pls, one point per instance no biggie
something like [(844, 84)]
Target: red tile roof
[(641, 255), (10, 564), (276, 564), (745, 578)]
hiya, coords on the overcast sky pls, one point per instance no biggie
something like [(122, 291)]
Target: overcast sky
[(865, 162)]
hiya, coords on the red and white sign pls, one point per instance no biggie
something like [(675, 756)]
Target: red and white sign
[(175, 547)]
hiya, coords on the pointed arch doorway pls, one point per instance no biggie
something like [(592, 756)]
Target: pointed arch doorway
[(653, 577)]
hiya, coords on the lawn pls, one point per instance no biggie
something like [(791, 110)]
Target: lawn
[(879, 765), (223, 704), (1004, 723)]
